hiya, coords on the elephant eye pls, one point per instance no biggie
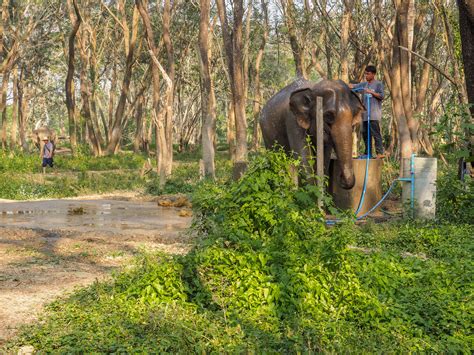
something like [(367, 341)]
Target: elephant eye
[(329, 117), (307, 101)]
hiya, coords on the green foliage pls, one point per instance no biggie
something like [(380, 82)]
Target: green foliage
[(455, 199), (391, 172), (31, 163), (19, 162), (90, 163), (26, 187), (452, 129), (267, 275), (185, 177)]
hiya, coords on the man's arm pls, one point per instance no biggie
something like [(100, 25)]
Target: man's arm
[(356, 86), (378, 93)]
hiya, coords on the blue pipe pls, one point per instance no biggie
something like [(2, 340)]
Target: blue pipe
[(369, 153), (412, 187), (411, 179)]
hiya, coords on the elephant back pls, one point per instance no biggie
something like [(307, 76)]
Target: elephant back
[(279, 103)]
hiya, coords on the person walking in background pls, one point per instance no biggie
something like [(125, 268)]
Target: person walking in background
[(47, 153), (375, 88)]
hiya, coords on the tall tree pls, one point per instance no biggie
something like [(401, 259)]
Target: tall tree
[(345, 28), (70, 101), (296, 43), (116, 128), (398, 77), (466, 28), (233, 45), (257, 100), (158, 115), (208, 109), (170, 73)]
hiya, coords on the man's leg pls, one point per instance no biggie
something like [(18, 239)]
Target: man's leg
[(364, 136), (375, 132)]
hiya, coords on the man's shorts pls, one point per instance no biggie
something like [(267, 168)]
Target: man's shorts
[(47, 161)]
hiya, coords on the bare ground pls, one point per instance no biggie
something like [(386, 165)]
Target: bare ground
[(48, 248)]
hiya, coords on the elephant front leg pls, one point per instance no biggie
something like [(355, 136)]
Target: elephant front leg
[(302, 149)]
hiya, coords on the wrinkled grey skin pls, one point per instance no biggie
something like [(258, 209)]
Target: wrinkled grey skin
[(290, 116)]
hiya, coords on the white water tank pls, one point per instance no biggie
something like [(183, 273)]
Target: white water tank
[(426, 170)]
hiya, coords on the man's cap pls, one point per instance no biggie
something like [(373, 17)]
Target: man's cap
[(45, 138)]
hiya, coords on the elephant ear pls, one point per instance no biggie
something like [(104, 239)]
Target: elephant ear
[(301, 103), (330, 100)]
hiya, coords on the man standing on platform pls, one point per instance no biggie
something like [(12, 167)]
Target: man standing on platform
[(375, 88)]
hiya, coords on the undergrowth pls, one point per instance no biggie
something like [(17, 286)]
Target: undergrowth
[(267, 275), (21, 178), (11, 162)]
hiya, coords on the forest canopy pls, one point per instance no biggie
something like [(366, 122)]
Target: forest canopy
[(155, 76)]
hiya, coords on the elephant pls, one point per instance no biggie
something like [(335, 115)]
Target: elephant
[(289, 117)]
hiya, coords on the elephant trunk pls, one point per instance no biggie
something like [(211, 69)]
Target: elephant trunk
[(341, 134)]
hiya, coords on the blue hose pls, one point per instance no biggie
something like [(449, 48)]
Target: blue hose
[(411, 179), (369, 152)]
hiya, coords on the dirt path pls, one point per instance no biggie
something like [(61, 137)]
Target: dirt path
[(48, 248)]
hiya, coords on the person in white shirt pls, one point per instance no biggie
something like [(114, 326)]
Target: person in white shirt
[(47, 154)]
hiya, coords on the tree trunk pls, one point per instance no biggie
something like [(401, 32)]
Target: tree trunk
[(405, 80), (466, 28), (86, 95), (296, 48), (345, 27), (157, 114), (3, 106), (70, 102), (138, 139), (93, 96), (23, 96), (14, 130), (110, 111), (257, 103), (116, 129), (246, 54), (170, 90), (231, 129), (425, 74), (234, 53), (208, 129), (396, 80)]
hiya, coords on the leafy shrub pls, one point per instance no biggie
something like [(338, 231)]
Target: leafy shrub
[(185, 176), (455, 199), (267, 275), (31, 163), (18, 187), (18, 162), (90, 163)]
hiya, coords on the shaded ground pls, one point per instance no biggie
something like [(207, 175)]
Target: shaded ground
[(50, 247)]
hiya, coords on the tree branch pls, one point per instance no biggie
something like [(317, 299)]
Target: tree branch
[(442, 72)]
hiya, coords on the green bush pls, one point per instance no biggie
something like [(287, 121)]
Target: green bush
[(31, 163), (90, 163), (17, 162), (185, 177), (454, 198), (267, 275), (18, 187)]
